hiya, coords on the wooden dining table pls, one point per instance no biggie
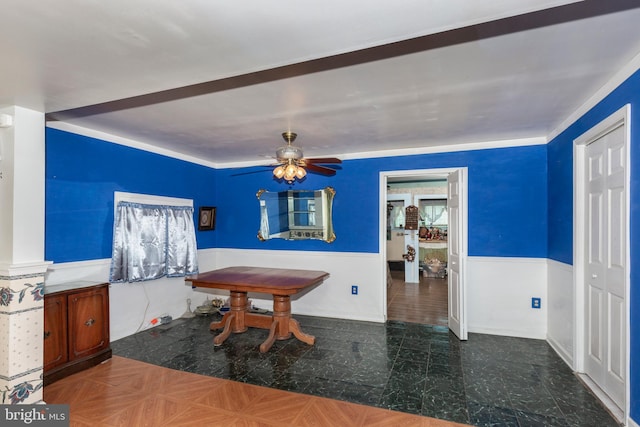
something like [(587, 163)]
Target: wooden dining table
[(281, 283)]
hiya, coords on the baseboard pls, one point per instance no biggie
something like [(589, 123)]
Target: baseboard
[(632, 423), (568, 358), (507, 333), (612, 408)]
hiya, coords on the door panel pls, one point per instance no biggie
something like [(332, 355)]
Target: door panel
[(606, 229), (457, 321), (595, 332)]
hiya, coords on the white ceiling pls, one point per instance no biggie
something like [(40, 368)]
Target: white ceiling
[(220, 81)]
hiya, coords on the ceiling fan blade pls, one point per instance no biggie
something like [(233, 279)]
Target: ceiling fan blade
[(323, 160), (320, 169)]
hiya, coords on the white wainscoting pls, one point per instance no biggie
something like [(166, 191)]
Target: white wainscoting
[(499, 292), (333, 297), (561, 314)]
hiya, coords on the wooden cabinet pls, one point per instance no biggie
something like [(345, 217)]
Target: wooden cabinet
[(76, 330), (55, 331)]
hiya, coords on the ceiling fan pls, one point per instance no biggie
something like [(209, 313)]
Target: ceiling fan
[(292, 163)]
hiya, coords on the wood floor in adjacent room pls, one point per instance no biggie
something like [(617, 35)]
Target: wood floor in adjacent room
[(424, 302), (126, 392)]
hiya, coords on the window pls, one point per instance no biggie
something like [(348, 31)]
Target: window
[(151, 241)]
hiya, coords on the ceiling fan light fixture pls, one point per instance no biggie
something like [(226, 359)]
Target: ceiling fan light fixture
[(279, 172), (293, 164), (290, 171)]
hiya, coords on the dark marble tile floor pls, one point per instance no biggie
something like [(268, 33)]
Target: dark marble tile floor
[(485, 381)]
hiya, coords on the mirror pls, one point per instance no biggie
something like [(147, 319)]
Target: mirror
[(296, 214)]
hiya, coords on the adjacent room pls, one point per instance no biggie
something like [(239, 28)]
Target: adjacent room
[(423, 213)]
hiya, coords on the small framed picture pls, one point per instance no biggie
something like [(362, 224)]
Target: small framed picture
[(207, 218)]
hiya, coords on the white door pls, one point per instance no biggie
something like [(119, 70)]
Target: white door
[(457, 249), (605, 237)]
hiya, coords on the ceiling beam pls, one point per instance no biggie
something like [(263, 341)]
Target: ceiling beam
[(542, 18)]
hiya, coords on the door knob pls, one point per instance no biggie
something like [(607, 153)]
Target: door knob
[(594, 276)]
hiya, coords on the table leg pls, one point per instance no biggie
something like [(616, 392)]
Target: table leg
[(234, 319), (223, 322), (219, 339), (239, 306), (283, 324), (266, 345), (282, 315), (295, 328)]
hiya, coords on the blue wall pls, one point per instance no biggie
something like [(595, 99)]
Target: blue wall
[(561, 204), (81, 175), (507, 202), (507, 197)]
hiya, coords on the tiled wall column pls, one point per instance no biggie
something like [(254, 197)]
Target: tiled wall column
[(22, 265), (21, 332)]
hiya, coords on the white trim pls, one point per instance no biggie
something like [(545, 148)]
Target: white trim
[(632, 423), (420, 149), (92, 133), (508, 260), (27, 268), (602, 93), (619, 118), (564, 355), (603, 397), (286, 254), (149, 199)]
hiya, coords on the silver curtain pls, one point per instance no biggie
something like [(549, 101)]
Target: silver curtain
[(152, 241)]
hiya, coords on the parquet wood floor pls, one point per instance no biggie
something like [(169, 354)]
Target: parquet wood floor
[(424, 302), (126, 392)]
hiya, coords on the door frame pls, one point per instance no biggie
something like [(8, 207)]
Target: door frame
[(619, 118), (426, 174)]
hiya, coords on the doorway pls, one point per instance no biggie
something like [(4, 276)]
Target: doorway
[(601, 248), (416, 292)]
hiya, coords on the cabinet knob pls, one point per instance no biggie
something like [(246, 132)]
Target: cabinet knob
[(89, 322), (47, 334)]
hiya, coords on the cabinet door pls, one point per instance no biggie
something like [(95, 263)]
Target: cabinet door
[(88, 322), (55, 331)]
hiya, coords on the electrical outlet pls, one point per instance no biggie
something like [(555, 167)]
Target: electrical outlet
[(354, 290), (535, 302)]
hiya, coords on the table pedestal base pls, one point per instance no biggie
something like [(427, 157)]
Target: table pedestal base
[(281, 325)]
